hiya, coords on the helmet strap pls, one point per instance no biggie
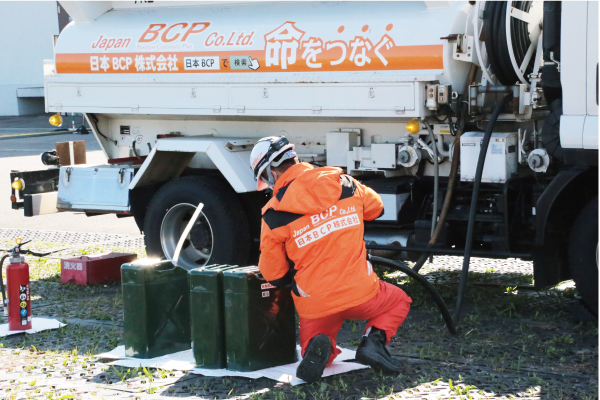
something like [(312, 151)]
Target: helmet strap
[(270, 181)]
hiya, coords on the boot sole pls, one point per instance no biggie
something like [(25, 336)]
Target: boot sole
[(315, 359), (376, 362)]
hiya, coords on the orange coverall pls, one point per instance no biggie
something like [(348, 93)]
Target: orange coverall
[(312, 237)]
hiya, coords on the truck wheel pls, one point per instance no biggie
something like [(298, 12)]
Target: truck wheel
[(583, 255), (220, 235)]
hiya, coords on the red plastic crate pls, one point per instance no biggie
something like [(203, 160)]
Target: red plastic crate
[(93, 270)]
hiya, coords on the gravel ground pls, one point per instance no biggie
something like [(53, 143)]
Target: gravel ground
[(514, 342)]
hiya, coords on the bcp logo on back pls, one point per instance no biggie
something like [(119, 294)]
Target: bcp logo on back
[(318, 218)]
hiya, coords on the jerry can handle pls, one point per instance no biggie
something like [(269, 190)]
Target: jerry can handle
[(170, 269)]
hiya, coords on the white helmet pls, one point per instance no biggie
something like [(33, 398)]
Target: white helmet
[(264, 152)]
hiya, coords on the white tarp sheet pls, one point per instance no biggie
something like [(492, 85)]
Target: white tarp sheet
[(37, 325), (184, 361)]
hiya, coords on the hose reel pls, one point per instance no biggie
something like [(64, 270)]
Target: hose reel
[(509, 33)]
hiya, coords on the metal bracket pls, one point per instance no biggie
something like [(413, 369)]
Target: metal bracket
[(240, 145), (556, 61), (462, 48)]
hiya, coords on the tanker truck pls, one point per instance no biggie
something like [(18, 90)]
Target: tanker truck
[(476, 122)]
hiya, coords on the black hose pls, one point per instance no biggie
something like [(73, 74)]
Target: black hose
[(491, 15), (2, 282), (444, 251), (36, 254), (460, 128), (95, 121), (473, 210), (551, 130), (455, 323), (135, 151), (451, 126), (423, 282)]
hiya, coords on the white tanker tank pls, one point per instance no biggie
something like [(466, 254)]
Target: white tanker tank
[(269, 59)]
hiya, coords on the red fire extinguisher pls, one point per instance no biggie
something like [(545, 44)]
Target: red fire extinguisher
[(17, 305)]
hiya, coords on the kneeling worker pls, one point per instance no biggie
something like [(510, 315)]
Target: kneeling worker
[(312, 238)]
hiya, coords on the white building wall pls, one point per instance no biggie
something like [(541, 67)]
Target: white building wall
[(26, 32)]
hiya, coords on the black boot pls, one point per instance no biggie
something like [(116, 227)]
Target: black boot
[(372, 352), (315, 358)]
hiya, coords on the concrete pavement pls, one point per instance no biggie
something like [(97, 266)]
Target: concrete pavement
[(24, 154), (34, 123)]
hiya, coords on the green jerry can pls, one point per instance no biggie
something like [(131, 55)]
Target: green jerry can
[(206, 312), (156, 308), (260, 329)]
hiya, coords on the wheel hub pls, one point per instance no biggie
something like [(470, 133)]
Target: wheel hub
[(197, 247), (200, 236)]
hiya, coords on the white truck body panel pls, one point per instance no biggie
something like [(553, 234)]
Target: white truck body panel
[(391, 100), (592, 59), (573, 56), (590, 132), (579, 63), (233, 163), (571, 131)]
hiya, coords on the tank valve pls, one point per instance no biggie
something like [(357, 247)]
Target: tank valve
[(404, 156), (408, 156), (538, 160)]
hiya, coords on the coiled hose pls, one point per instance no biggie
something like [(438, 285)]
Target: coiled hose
[(494, 32)]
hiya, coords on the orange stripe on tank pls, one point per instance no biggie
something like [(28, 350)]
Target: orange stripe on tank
[(424, 57)]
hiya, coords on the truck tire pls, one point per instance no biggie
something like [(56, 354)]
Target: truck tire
[(220, 235), (583, 255)]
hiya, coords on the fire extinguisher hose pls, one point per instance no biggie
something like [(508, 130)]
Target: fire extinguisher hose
[(2, 282)]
